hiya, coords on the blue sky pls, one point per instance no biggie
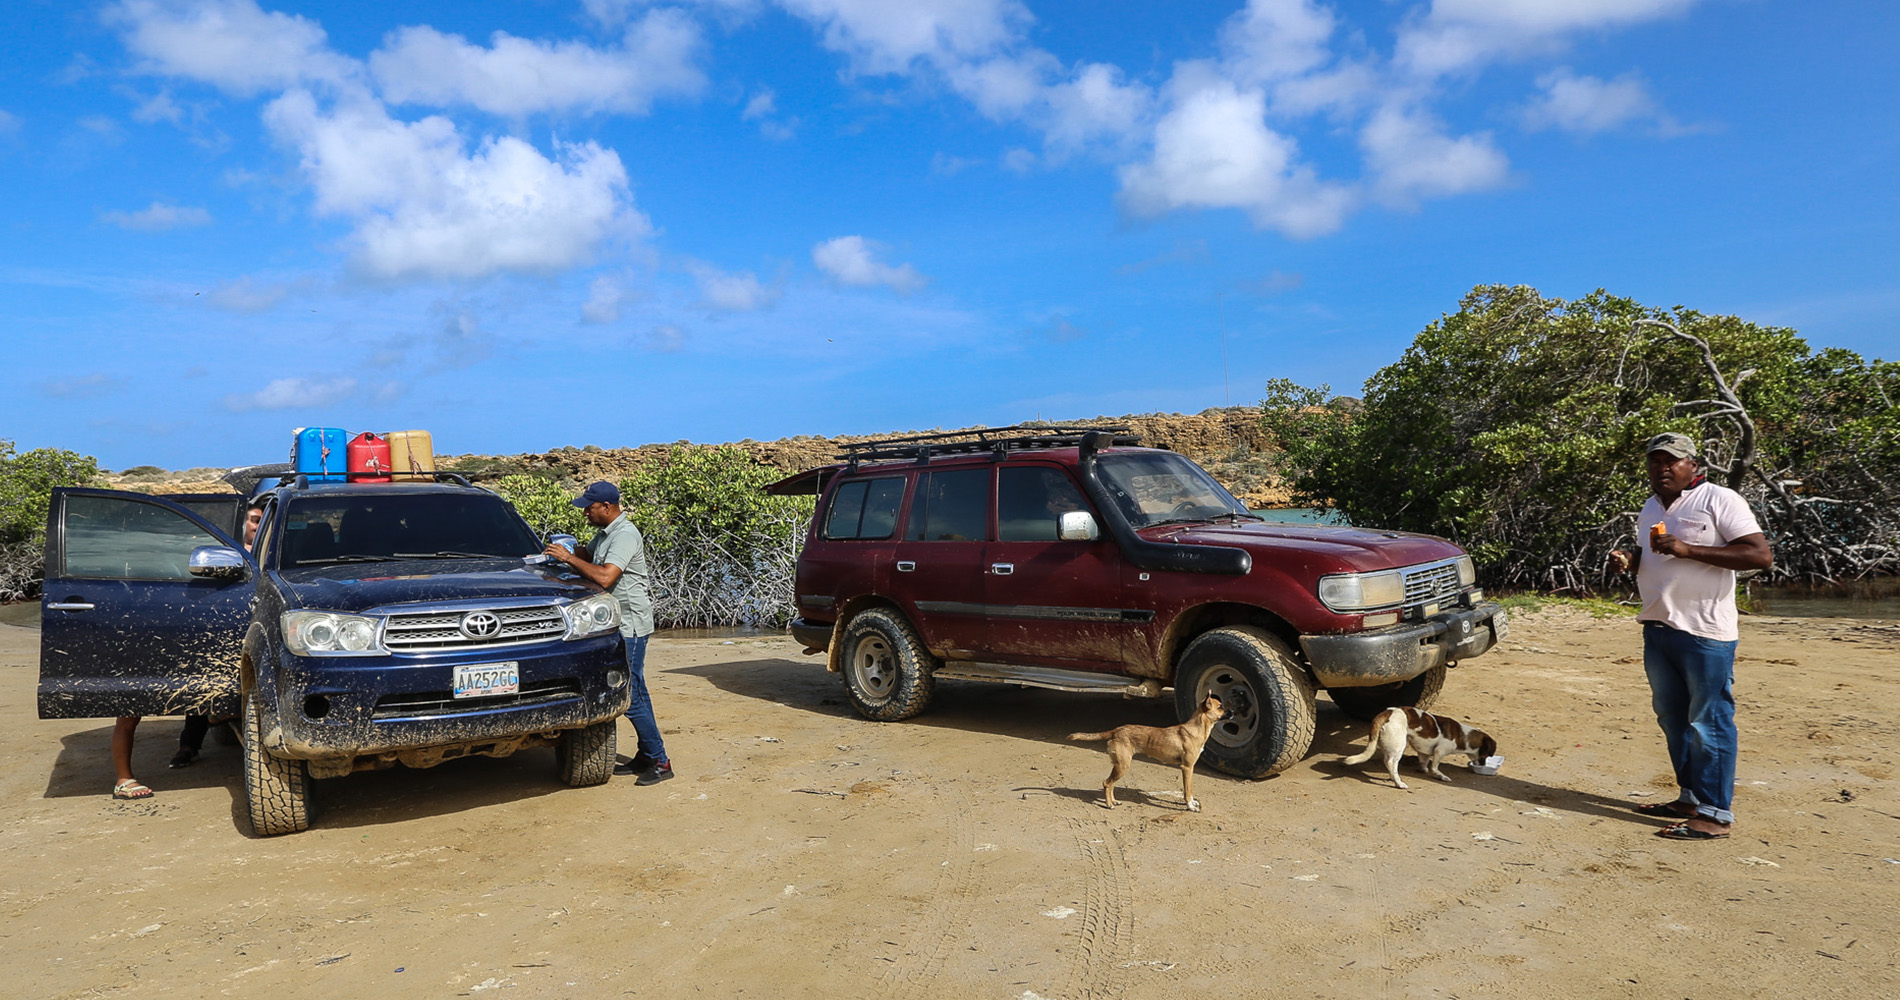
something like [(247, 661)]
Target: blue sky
[(523, 225)]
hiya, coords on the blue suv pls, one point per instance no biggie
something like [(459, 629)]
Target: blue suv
[(372, 624)]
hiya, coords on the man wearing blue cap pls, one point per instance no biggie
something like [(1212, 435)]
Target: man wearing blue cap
[(617, 560), (1698, 535)]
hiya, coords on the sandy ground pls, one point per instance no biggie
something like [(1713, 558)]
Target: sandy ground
[(804, 852)]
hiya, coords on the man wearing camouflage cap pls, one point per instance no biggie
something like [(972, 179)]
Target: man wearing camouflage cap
[(1699, 534)]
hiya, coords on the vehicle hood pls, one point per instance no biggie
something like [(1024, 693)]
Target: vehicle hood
[(1323, 548), (351, 587)]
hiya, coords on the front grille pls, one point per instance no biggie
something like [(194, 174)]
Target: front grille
[(439, 631), (1430, 583), (411, 704)]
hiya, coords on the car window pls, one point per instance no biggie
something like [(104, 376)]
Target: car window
[(324, 529), (109, 538), (866, 508), (951, 506), (1160, 487), (1030, 502)]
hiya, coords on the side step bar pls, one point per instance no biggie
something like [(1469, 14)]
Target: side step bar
[(1055, 679)]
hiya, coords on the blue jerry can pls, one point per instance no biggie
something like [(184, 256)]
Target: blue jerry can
[(322, 453)]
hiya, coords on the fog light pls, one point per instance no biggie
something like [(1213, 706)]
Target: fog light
[(1382, 619), (316, 706), (617, 678)]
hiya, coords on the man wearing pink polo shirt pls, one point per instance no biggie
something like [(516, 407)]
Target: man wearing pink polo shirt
[(1699, 535)]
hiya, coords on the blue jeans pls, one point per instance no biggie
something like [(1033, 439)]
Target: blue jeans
[(1690, 684), (640, 710)]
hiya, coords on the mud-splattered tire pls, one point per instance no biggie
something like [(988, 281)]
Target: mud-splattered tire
[(586, 755), (888, 674), (1420, 692), (276, 790), (1258, 680)]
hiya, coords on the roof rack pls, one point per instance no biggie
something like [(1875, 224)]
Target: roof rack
[(995, 440), (302, 480)]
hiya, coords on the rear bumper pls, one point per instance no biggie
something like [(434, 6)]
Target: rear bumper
[(339, 707), (1402, 652), (815, 635)]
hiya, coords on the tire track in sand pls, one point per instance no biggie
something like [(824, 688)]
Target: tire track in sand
[(1098, 968), (946, 915)]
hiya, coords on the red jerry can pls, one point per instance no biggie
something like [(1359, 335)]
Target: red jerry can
[(369, 459)]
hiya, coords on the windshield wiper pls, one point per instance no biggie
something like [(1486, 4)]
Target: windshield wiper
[(353, 558), (448, 554)]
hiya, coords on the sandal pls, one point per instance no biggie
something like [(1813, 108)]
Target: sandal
[(1683, 831), (1672, 809), (131, 788)]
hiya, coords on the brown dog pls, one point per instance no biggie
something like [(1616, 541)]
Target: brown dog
[(1170, 745), (1432, 737)]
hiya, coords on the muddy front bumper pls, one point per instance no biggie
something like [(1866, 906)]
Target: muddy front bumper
[(1402, 652)]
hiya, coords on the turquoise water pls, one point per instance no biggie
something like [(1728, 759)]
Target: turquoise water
[(1300, 515)]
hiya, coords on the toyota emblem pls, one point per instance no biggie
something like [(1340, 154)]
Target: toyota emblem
[(481, 625)]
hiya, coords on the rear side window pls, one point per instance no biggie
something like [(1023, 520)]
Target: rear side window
[(866, 508), (107, 538), (951, 507), (1030, 502)]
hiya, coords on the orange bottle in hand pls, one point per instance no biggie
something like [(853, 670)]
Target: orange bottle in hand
[(1656, 531)]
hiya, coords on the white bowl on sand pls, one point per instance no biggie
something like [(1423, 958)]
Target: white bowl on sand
[(1489, 765)]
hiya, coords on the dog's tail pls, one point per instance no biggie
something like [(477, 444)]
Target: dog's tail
[(1085, 737)]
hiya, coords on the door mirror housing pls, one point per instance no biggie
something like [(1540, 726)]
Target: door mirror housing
[(1078, 526), (218, 562)]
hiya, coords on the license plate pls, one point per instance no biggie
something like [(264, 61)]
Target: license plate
[(486, 679), (1500, 627)]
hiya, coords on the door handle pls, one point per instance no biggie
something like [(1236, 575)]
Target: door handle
[(1002, 569), (906, 566), (70, 606)]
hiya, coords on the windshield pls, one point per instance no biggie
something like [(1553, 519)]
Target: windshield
[(1162, 488), (321, 530)]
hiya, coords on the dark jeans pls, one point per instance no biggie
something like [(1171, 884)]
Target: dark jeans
[(640, 710), (1691, 683), (193, 735)]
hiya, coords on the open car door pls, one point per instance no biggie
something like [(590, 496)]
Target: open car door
[(127, 628)]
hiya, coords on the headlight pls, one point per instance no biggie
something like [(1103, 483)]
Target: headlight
[(592, 616), (1359, 591), (324, 633), (1467, 573)]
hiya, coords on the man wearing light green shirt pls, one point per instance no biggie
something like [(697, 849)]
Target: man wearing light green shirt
[(617, 561)]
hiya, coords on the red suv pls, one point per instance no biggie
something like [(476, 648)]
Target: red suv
[(1065, 558)]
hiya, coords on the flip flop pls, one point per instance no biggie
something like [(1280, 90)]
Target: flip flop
[(131, 788), (1683, 831), (1663, 809)]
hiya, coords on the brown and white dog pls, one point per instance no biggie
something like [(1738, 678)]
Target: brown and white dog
[(1170, 745), (1432, 737)]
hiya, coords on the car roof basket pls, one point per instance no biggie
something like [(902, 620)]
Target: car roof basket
[(997, 441)]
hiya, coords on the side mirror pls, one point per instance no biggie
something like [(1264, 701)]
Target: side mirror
[(1078, 526), (218, 562)]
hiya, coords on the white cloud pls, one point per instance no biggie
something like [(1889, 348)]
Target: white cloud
[(604, 297), (1274, 40), (762, 105), (82, 386), (230, 44), (1213, 149), (852, 260), (737, 291), (879, 36), (666, 339), (9, 122), (288, 393), (245, 295), (1411, 157), (425, 206), (519, 76), (1588, 104), (763, 108), (159, 217), (1461, 35)]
